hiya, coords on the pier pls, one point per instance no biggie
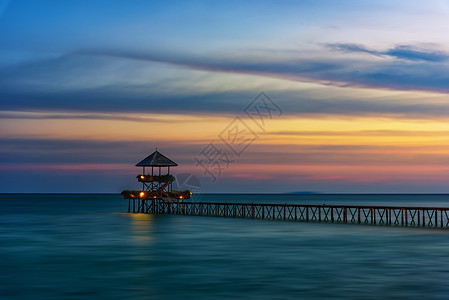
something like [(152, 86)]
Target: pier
[(353, 214), (156, 196)]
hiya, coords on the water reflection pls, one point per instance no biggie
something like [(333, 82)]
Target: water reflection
[(142, 228)]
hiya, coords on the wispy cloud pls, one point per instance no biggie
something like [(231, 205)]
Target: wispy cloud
[(86, 116), (406, 52), (25, 151), (350, 47), (411, 69), (357, 133), (42, 85)]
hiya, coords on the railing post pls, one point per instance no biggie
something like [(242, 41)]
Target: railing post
[(359, 215), (319, 214), (436, 218)]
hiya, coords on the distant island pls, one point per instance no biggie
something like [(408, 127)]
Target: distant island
[(303, 193)]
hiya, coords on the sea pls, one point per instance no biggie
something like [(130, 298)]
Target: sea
[(86, 246)]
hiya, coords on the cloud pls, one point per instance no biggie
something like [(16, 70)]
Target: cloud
[(359, 133), (113, 88), (26, 151), (349, 47), (406, 52), (415, 70), (84, 116)]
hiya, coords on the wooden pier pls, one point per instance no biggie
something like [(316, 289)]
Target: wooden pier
[(374, 215)]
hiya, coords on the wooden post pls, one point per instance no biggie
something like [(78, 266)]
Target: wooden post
[(319, 213), (423, 218), (143, 181)]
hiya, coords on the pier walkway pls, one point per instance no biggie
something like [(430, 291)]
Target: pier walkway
[(375, 215)]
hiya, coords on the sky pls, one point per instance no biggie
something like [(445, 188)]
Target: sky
[(246, 96)]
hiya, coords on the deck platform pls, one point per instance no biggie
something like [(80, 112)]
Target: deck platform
[(375, 215)]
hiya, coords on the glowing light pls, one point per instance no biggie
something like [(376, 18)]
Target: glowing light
[(142, 177), (142, 194), (180, 197)]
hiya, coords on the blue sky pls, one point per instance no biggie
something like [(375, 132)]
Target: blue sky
[(80, 79)]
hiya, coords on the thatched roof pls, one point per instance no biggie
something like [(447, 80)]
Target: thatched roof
[(156, 159)]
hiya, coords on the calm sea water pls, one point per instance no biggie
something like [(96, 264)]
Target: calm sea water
[(87, 247)]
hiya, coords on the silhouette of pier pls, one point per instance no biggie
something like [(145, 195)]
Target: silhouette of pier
[(355, 214)]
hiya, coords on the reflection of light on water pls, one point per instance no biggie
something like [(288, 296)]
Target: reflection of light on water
[(142, 228)]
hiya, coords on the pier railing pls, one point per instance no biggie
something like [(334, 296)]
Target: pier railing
[(376, 215)]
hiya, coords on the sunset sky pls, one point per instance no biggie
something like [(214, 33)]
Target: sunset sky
[(89, 88)]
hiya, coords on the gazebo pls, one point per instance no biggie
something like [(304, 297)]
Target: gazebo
[(160, 182), (157, 185)]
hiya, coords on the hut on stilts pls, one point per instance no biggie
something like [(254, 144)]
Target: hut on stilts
[(157, 185)]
